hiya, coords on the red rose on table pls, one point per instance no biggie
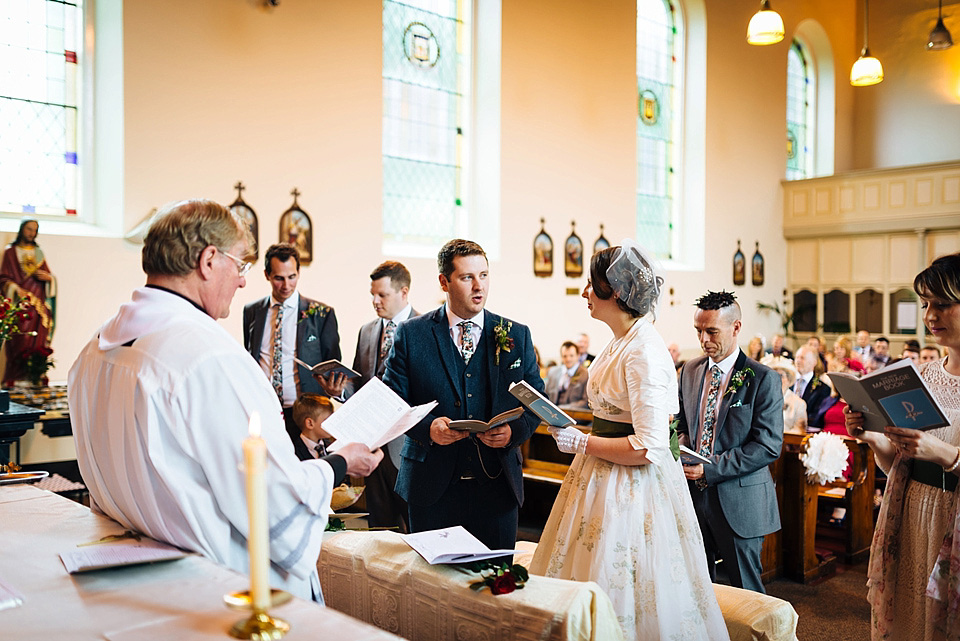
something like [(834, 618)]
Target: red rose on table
[(503, 584)]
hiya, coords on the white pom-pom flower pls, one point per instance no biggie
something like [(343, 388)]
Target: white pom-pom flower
[(825, 457)]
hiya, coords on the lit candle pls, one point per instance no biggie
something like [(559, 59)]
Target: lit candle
[(258, 543)]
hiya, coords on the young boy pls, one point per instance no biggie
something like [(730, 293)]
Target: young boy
[(309, 413)]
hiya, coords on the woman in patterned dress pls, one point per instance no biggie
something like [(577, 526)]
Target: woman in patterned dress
[(914, 571), (623, 517)]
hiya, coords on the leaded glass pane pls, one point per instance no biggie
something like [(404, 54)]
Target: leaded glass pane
[(656, 73), (40, 42), (798, 113), (424, 92)]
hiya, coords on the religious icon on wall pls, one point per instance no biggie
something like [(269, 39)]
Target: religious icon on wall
[(246, 213), (600, 243), (543, 253), (296, 229), (757, 263), (573, 253), (739, 267)]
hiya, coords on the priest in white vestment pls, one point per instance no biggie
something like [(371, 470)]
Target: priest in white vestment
[(160, 402)]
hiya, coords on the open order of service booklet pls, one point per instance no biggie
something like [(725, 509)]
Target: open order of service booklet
[(451, 545), (540, 405), (333, 366), (373, 416), (895, 395), (467, 425), (117, 553)]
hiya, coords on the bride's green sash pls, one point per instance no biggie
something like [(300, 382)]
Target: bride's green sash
[(610, 429)]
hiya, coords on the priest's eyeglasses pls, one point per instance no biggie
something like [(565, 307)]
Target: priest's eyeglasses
[(242, 266)]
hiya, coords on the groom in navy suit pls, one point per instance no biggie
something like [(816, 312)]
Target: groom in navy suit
[(465, 358)]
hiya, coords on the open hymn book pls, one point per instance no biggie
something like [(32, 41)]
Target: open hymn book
[(373, 416), (451, 545)]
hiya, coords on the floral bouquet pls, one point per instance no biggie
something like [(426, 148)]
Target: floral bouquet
[(501, 578), (824, 458), (12, 315)]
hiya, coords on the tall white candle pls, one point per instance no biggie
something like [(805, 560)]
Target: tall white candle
[(258, 542)]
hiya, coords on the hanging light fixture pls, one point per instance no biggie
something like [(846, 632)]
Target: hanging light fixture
[(867, 70), (939, 38), (766, 26)]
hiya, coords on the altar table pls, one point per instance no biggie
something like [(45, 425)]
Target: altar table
[(180, 599), (377, 578)]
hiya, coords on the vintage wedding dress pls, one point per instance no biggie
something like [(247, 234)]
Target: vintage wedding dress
[(632, 529)]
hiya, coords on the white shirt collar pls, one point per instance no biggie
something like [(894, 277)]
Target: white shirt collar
[(311, 445), (293, 302), (726, 364), (806, 377), (399, 318), (455, 320)]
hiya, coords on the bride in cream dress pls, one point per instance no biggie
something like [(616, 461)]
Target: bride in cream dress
[(623, 517)]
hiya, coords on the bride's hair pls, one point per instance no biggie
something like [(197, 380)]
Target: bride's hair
[(637, 288)]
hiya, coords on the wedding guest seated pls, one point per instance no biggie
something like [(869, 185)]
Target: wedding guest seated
[(911, 350), (583, 346), (816, 343), (567, 383), (841, 359), (777, 348), (863, 350), (929, 353), (808, 386), (794, 407), (309, 413), (881, 350), (756, 347), (832, 419), (674, 350)]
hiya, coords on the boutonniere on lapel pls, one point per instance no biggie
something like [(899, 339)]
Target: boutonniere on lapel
[(815, 382), (738, 380), (313, 309), (501, 334)]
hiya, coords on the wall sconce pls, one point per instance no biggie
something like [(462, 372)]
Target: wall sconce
[(939, 38), (867, 70), (766, 26)]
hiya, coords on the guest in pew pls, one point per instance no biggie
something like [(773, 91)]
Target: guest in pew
[(309, 413), (623, 517), (674, 350), (930, 353), (914, 570), (809, 387), (755, 348), (731, 411), (841, 359), (881, 350), (583, 346), (911, 350), (566, 383), (464, 357), (161, 399), (777, 348), (794, 407)]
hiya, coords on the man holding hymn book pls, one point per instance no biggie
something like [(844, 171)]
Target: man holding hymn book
[(465, 358)]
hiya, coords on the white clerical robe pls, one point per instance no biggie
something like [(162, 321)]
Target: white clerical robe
[(159, 427)]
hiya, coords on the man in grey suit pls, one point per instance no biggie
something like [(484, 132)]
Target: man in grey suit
[(567, 382), (285, 324), (731, 411), (389, 287), (465, 358)]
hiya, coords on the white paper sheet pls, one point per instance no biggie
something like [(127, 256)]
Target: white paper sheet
[(373, 416), (118, 553)]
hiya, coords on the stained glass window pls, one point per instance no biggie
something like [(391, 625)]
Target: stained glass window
[(799, 113), (656, 124), (426, 88), (40, 49)]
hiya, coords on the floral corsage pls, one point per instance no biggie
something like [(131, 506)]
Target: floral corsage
[(501, 332), (313, 309), (738, 380), (501, 578)]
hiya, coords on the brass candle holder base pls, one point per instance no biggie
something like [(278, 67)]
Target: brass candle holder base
[(260, 626)]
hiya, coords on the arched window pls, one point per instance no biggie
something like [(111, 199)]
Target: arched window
[(800, 113), (658, 121), (426, 97), (42, 45)]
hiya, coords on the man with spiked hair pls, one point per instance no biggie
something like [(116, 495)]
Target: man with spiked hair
[(731, 412)]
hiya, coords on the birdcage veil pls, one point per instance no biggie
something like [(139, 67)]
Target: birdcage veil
[(635, 277)]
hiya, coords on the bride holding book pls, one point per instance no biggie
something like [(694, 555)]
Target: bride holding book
[(623, 517)]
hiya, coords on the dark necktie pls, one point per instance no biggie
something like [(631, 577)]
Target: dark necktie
[(320, 449), (710, 415), (467, 348), (277, 368)]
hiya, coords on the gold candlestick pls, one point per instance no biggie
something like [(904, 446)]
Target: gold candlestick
[(260, 626)]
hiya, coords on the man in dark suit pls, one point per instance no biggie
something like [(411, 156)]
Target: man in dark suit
[(809, 387), (731, 411), (465, 358), (285, 324), (389, 287), (567, 382), (583, 347)]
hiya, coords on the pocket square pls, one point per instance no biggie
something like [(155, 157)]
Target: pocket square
[(738, 404), (515, 364), (311, 338)]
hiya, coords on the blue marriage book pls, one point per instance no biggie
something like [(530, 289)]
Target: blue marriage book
[(895, 395)]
